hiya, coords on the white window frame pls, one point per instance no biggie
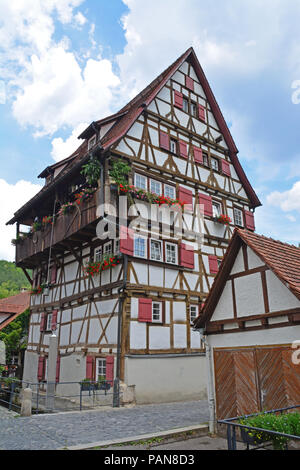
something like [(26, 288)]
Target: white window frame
[(185, 100), (49, 321), (100, 366), (173, 142), (195, 108), (205, 160), (137, 251), (155, 312), (98, 254), (153, 240), (166, 252), (214, 163), (167, 187), (117, 246), (136, 184), (92, 141), (108, 248), (217, 208), (155, 183), (194, 315), (238, 217)]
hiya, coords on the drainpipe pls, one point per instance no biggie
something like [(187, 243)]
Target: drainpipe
[(210, 383), (116, 397)]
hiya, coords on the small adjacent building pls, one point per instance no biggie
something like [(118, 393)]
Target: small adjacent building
[(12, 307), (251, 320)]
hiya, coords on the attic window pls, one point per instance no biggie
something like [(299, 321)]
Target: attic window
[(92, 142)]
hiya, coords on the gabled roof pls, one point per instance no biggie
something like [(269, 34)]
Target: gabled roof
[(127, 115), (281, 258), (14, 305)]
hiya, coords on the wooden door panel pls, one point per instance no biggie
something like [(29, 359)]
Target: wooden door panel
[(226, 403), (291, 373), (247, 394), (271, 378)]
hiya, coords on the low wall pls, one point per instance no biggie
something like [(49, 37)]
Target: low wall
[(167, 378)]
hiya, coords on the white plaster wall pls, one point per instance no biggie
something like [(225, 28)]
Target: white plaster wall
[(253, 260), (180, 338), (167, 379), (280, 298), (249, 295), (159, 337), (137, 335), (224, 308)]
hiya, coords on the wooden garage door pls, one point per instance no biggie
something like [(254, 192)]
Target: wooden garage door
[(255, 379)]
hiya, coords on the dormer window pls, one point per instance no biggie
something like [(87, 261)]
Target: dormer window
[(92, 141)]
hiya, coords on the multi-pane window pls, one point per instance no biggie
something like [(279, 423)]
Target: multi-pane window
[(49, 321), (140, 181), (107, 248), (140, 246), (185, 105), (194, 110), (156, 250), (217, 209), (155, 187), (215, 164), (117, 246), (171, 253), (157, 312), (205, 159), (100, 369), (170, 191), (173, 145), (98, 254), (238, 217), (193, 312)]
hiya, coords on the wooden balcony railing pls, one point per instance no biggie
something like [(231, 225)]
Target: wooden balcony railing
[(65, 226)]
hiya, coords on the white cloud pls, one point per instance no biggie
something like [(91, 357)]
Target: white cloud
[(61, 94), (12, 197), (287, 201), (64, 148)]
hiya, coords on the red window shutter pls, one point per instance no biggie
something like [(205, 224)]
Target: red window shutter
[(183, 149), (178, 99), (57, 368), (54, 320), (213, 264), (189, 83), (110, 370), (187, 256), (41, 368), (53, 274), (164, 140), (198, 155), (126, 240), (225, 167), (185, 196), (249, 220), (145, 310), (89, 367), (201, 113), (206, 201), (43, 322)]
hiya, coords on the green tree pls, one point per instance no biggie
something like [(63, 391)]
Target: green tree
[(15, 335)]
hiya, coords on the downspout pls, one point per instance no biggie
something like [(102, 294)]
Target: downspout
[(116, 398), (210, 383)]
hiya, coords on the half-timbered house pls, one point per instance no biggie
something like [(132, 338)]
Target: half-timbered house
[(251, 319), (133, 320)]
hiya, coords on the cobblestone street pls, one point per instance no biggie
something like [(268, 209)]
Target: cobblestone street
[(50, 432)]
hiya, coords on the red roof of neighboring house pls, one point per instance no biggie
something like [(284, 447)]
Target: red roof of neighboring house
[(283, 259), (14, 305), (126, 117)]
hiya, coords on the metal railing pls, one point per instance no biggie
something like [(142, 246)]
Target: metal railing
[(48, 397), (233, 426)]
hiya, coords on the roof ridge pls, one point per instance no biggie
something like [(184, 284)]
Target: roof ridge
[(252, 234)]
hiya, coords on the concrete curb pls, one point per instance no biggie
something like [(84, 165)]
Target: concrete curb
[(201, 429)]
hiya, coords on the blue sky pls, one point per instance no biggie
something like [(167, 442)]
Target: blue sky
[(64, 63)]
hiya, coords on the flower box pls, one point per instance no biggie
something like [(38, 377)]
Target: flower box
[(223, 219)]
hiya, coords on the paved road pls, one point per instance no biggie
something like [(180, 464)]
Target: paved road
[(66, 429)]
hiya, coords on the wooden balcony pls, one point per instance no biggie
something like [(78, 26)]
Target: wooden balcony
[(71, 229)]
